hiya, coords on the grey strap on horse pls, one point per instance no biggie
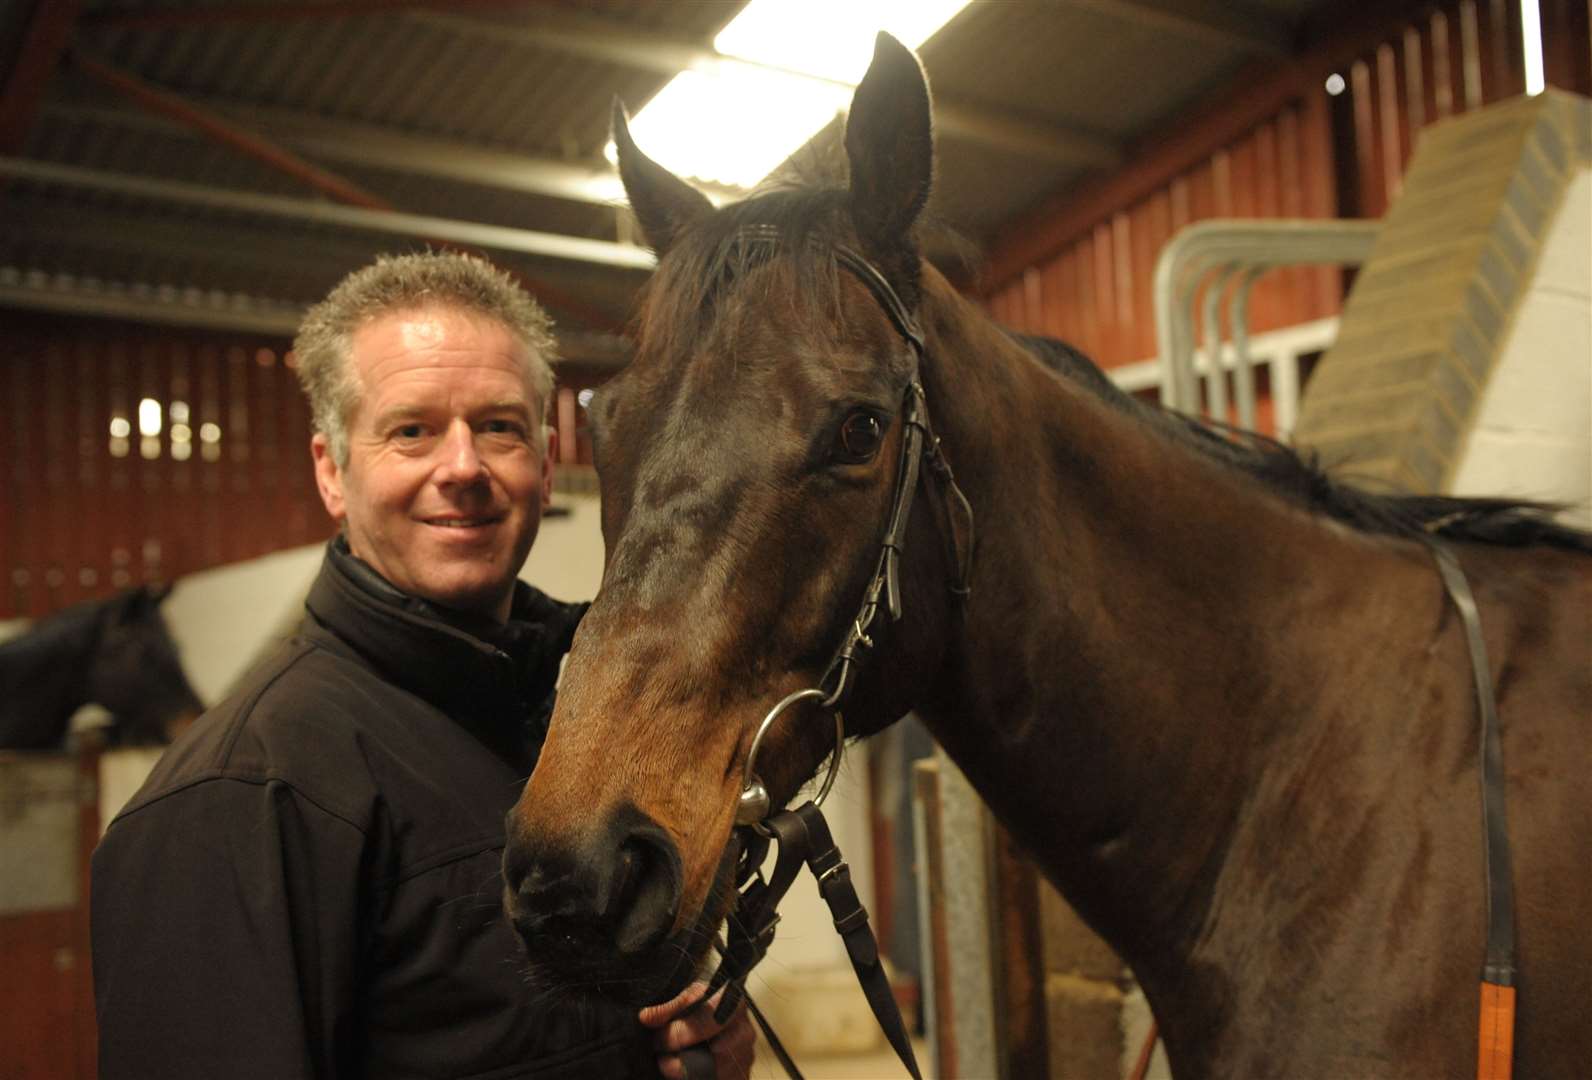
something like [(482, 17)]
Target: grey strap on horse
[(1498, 971)]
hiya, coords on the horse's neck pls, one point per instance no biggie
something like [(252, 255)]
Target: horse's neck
[(1115, 684)]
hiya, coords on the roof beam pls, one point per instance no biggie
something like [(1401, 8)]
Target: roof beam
[(373, 146), (161, 16), (42, 43), (184, 112), (1220, 22), (392, 223), (618, 43), (276, 157), (211, 312), (258, 254)]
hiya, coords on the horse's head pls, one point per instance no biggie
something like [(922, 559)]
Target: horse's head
[(136, 672), (749, 459)]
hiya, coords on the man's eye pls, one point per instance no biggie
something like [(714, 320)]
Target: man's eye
[(409, 431), (861, 435)]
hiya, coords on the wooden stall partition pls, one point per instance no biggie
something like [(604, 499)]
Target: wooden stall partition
[(49, 824)]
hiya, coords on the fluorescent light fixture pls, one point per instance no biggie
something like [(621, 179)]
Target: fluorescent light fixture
[(1531, 44), (788, 69)]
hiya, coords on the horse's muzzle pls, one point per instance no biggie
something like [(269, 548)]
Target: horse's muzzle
[(594, 910)]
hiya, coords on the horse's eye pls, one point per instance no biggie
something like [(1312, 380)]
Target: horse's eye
[(860, 437)]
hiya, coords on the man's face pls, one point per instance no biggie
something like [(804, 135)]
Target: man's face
[(448, 471)]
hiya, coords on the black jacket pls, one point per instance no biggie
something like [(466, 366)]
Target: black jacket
[(307, 885)]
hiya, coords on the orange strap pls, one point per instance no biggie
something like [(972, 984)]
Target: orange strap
[(1142, 1066), (1497, 1046)]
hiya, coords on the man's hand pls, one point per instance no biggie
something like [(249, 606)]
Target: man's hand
[(686, 1021)]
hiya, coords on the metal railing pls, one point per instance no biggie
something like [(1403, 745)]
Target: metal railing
[(1211, 259)]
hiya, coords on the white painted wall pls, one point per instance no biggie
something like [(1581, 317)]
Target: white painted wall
[(1533, 431)]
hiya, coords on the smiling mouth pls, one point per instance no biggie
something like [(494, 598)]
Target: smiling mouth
[(463, 523)]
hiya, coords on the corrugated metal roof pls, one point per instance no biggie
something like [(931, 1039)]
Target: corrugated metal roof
[(529, 83)]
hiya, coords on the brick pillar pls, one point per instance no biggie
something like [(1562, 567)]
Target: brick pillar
[(1391, 403)]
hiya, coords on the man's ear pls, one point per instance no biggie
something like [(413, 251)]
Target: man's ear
[(328, 477), (548, 454)]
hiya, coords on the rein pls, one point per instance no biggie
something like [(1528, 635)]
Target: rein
[(802, 835)]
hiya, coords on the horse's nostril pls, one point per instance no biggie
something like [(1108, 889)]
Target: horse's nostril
[(647, 891)]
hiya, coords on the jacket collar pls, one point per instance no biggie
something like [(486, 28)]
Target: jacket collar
[(495, 679)]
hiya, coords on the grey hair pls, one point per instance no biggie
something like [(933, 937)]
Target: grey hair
[(324, 345)]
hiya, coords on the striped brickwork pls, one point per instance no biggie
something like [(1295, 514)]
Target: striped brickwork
[(1392, 402)]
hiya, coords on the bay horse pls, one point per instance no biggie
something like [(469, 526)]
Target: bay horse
[(115, 652), (1220, 697)]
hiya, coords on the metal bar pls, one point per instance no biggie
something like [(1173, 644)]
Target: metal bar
[(229, 134), (1237, 243), (1243, 365), (1285, 394), (390, 222), (1215, 371)]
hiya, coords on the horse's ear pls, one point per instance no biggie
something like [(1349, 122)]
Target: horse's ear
[(664, 204), (890, 143)]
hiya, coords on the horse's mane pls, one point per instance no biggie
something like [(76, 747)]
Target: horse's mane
[(1299, 477), (679, 302)]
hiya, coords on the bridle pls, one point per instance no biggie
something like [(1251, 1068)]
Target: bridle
[(802, 834), (920, 447)]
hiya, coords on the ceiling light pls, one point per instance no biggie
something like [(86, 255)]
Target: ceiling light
[(787, 70), (149, 417)]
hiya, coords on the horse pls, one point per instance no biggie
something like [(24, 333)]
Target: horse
[(1220, 697), (115, 652)]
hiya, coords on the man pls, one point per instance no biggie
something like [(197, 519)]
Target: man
[(307, 885)]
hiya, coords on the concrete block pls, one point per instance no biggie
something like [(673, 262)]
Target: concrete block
[(1361, 412), (1070, 946), (1526, 206), (1483, 311), (1085, 1028), (1424, 467), (1439, 427), (1476, 352)]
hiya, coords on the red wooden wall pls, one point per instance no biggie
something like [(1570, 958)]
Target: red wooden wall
[(85, 512), (88, 511), (1313, 155)]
